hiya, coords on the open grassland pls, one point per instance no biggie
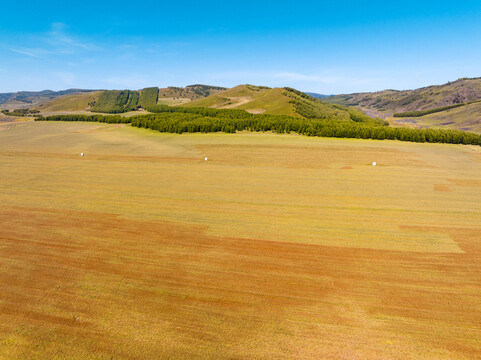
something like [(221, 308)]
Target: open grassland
[(277, 247), (71, 102)]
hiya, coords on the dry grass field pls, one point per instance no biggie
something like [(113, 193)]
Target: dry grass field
[(277, 247)]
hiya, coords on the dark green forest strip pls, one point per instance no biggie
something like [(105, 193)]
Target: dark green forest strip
[(116, 101), (191, 120), (148, 97), (432, 111)]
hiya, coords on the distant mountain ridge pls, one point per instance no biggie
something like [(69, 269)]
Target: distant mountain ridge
[(23, 99), (397, 101), (453, 105)]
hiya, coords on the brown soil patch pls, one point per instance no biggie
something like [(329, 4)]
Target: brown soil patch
[(465, 182), (79, 284), (346, 168), (237, 101), (441, 187), (256, 111)]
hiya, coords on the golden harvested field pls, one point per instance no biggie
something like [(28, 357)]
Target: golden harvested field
[(277, 247)]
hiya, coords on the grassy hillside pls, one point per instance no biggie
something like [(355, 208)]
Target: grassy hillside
[(121, 101), (229, 98), (72, 102), (466, 118), (116, 101), (29, 99), (392, 101), (276, 101), (450, 104), (253, 99), (180, 95), (148, 96)]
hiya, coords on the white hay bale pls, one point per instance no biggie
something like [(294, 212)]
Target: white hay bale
[(374, 163), (81, 154), (206, 158)]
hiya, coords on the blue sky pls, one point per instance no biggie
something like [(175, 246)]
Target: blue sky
[(325, 47)]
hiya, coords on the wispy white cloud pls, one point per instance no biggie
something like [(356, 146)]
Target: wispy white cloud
[(59, 38), (57, 41), (31, 52)]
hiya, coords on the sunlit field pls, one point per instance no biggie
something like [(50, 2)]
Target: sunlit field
[(276, 247)]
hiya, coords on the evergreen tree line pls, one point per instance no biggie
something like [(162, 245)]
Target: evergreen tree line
[(432, 111), (20, 112), (224, 113), (190, 122)]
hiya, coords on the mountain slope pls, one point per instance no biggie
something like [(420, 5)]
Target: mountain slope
[(394, 101), (173, 95), (277, 101), (413, 105), (254, 99), (120, 101), (466, 118), (72, 102)]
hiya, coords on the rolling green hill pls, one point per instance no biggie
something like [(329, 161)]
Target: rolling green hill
[(120, 101), (275, 101), (452, 105), (71, 102), (173, 95), (254, 99)]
